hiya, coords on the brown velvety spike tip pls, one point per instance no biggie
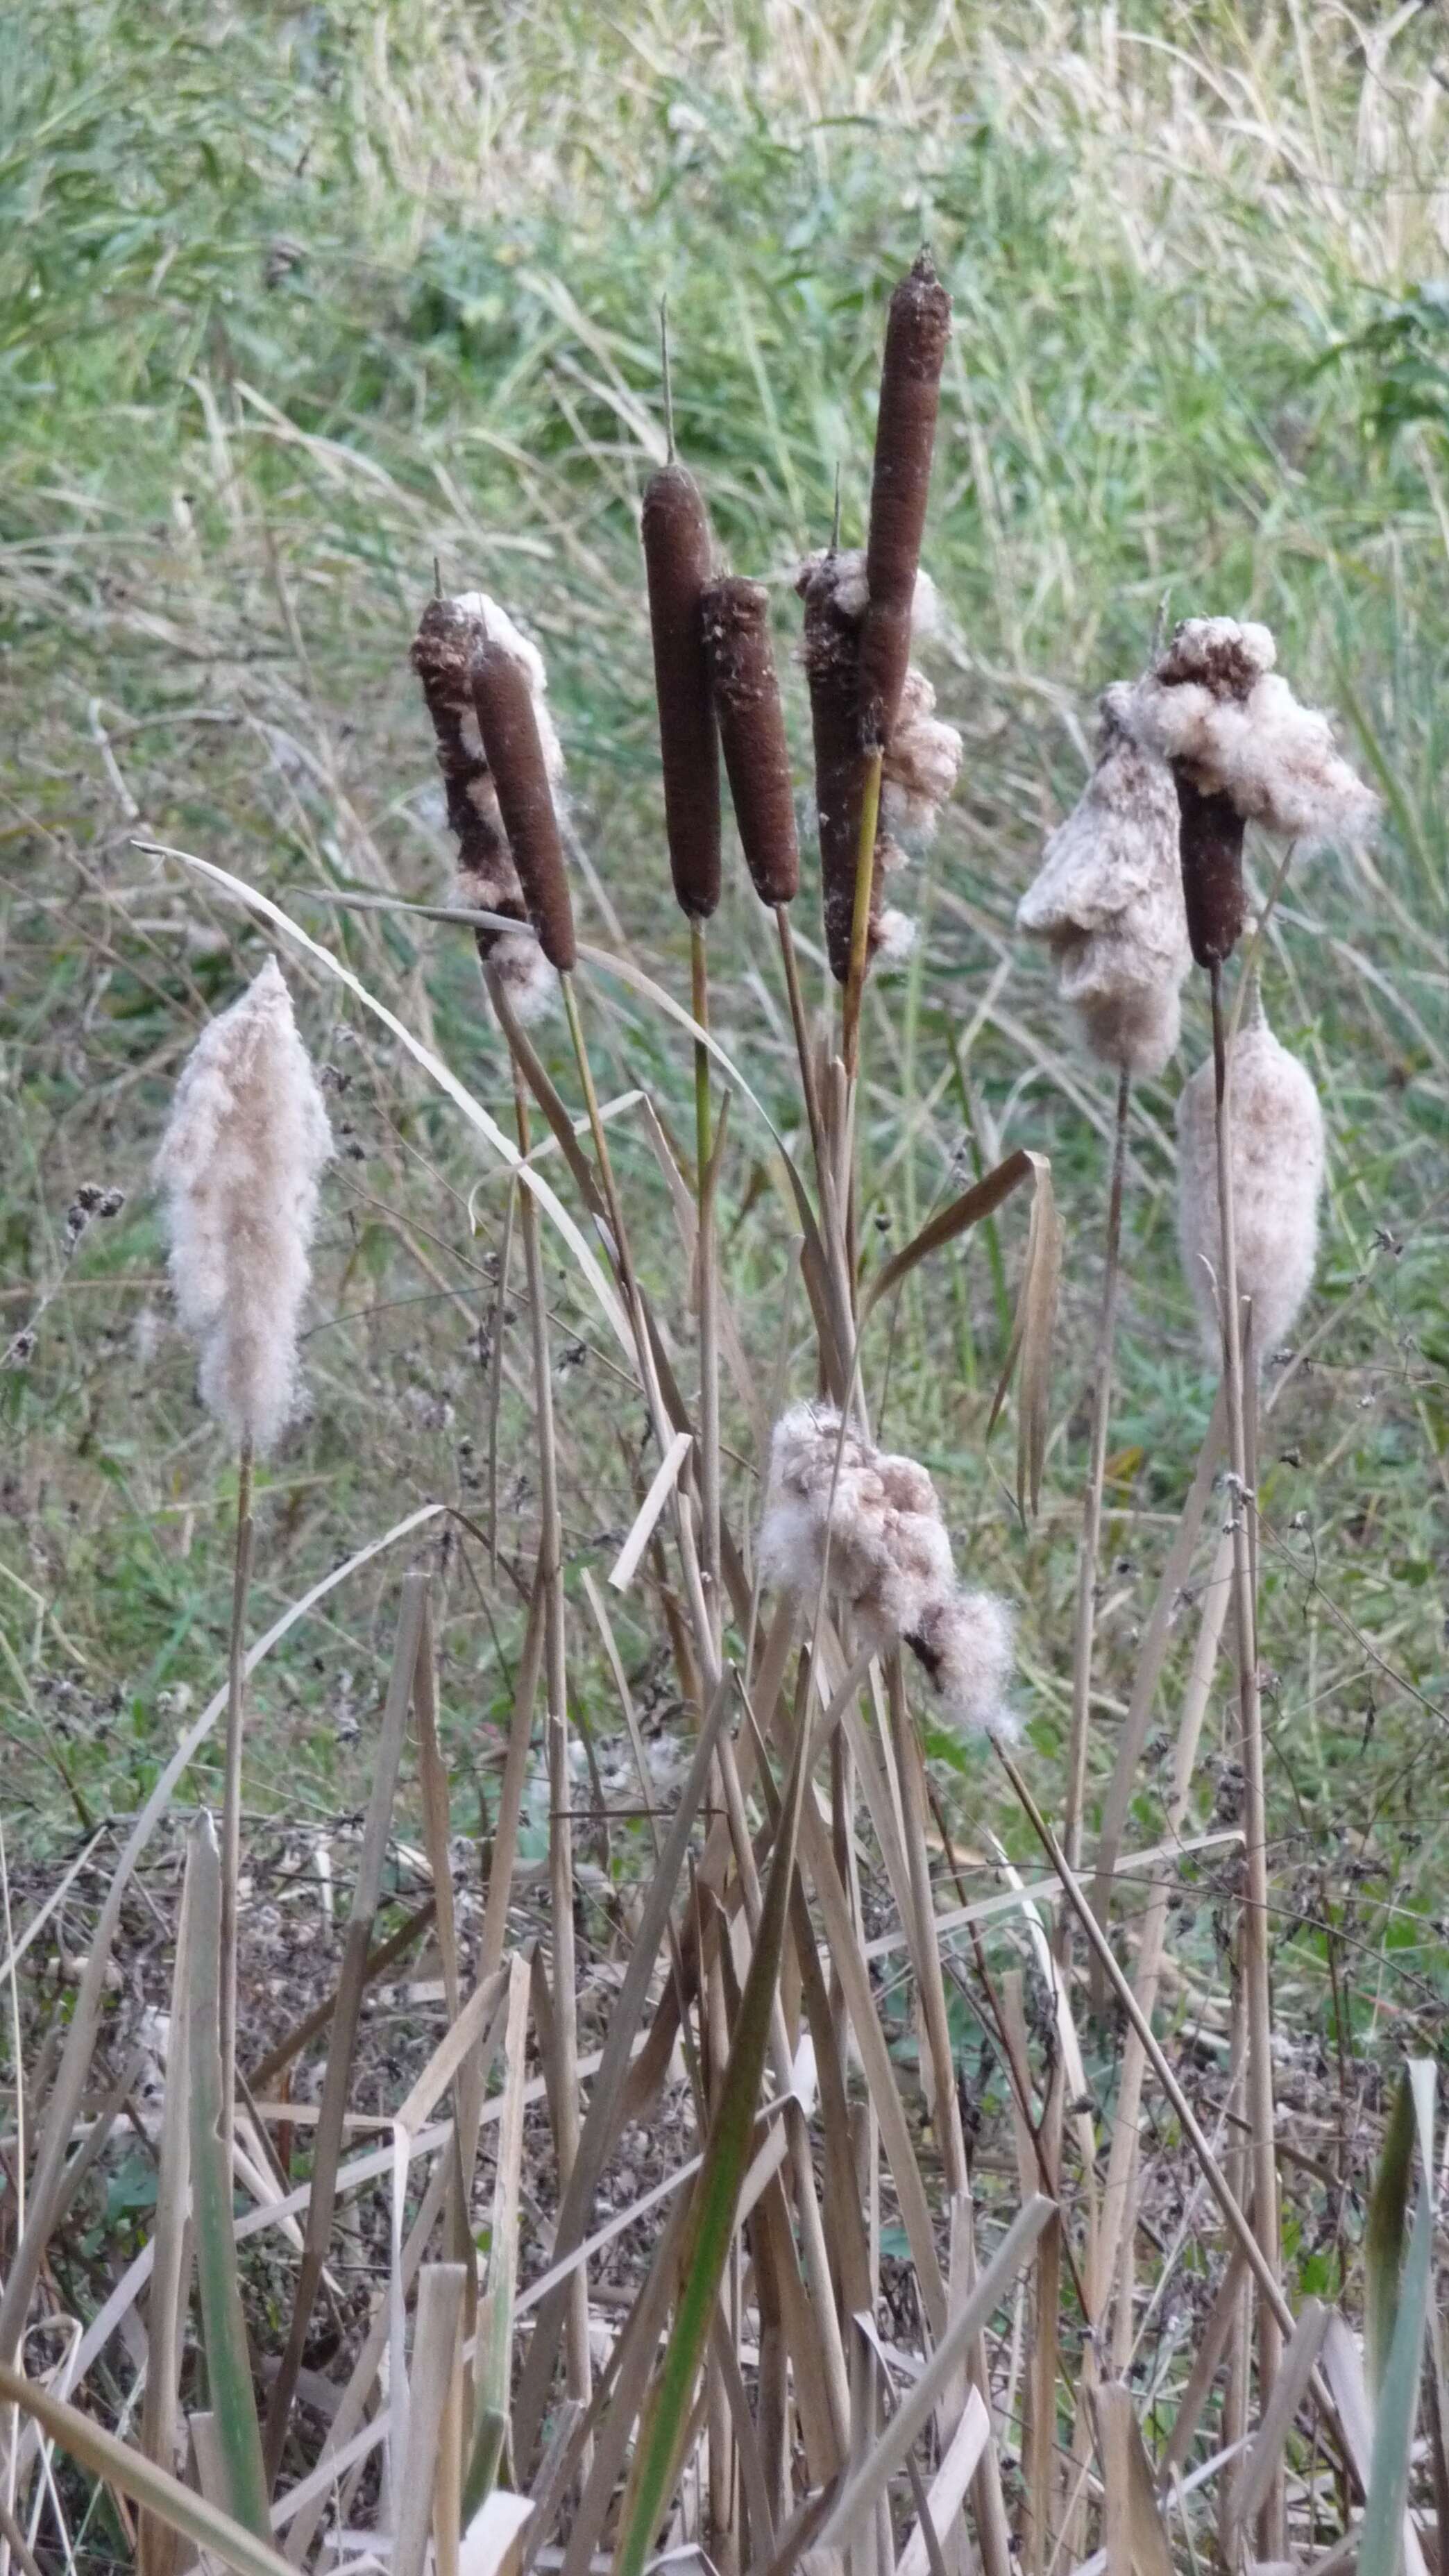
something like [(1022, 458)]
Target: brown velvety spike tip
[(442, 656), (503, 702), (1210, 841), (915, 351), (679, 564), (752, 732), (832, 672)]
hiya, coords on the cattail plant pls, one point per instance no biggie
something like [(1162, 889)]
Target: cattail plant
[(516, 747), (449, 637), (679, 568), (1244, 750), (239, 1166)]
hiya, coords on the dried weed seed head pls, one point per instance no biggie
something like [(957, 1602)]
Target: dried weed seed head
[(679, 566), (1108, 899), (1276, 1147), (872, 1530), (1243, 751), (522, 755), (239, 1164), (752, 731), (448, 637), (917, 329)]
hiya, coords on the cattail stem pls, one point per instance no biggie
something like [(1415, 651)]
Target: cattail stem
[(648, 1375), (708, 1285), (800, 1023), (1256, 1982), (1092, 1502), (560, 1833), (860, 918), (232, 1785)]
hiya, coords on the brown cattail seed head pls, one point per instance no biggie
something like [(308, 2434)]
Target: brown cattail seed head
[(442, 656), (679, 564), (752, 731), (916, 335), (513, 748), (1210, 843), (1275, 1132), (832, 673)]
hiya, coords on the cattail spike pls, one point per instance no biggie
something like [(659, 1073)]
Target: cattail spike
[(752, 732), (513, 747), (916, 333), (1210, 842), (832, 673), (240, 1161), (679, 564)]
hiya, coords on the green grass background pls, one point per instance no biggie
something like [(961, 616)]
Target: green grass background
[(294, 302)]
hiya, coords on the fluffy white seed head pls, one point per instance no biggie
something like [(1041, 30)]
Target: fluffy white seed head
[(1276, 1132), (920, 765), (888, 1550), (1108, 900), (1215, 703), (964, 1644), (871, 1530), (239, 1164)]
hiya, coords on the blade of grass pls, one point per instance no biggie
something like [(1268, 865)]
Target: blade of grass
[(170, 2275)]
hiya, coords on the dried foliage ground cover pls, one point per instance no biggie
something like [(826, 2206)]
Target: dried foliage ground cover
[(293, 311)]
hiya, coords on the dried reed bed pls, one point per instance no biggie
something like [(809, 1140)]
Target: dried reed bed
[(793, 2399)]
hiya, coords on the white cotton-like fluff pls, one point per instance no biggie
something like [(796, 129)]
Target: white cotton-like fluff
[(239, 1163), (514, 956), (1108, 900), (889, 1553), (964, 1645), (920, 766), (1276, 1146), (1215, 703), (852, 594), (895, 936)]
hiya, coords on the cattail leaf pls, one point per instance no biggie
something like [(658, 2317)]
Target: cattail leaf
[(1031, 1338), (1383, 2240), (1381, 2535), (166, 2308), (154, 2489), (223, 2328), (493, 2345), (979, 1201), (1290, 2387), (434, 2364), (678, 565), (710, 2222)]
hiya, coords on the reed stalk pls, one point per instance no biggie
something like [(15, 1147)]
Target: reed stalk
[(232, 1789), (1256, 1979)]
